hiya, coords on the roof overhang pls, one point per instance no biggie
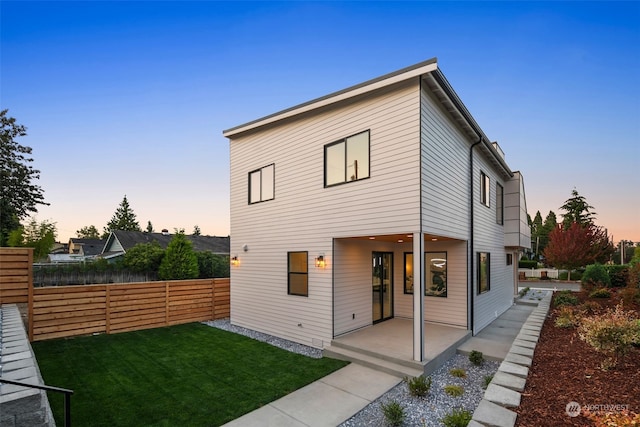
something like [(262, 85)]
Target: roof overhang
[(432, 77)]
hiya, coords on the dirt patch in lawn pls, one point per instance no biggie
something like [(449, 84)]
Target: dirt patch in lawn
[(566, 369)]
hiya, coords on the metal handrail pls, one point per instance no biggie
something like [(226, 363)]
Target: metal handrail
[(66, 391)]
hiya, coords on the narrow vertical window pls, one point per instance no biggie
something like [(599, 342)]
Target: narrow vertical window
[(408, 272), (485, 184), (484, 272), (262, 184), (298, 273), (499, 204), (346, 160)]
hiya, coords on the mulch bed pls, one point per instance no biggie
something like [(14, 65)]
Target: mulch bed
[(566, 369)]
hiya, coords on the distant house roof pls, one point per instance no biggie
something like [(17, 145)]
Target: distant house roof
[(88, 247), (122, 241)]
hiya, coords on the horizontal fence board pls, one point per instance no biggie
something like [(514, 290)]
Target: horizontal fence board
[(13, 299), (64, 311)]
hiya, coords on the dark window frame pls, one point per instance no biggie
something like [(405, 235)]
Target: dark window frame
[(509, 259), (344, 141), (499, 204), (409, 279), (485, 189), (487, 277), (297, 273), (260, 170)]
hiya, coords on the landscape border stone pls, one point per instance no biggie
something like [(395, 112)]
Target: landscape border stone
[(504, 390)]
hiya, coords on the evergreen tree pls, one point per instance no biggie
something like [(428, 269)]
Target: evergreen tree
[(123, 219), (39, 236), (577, 210), (19, 196), (180, 261), (149, 227), (196, 230)]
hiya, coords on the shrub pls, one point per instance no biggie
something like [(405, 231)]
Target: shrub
[(454, 390), (566, 317), (458, 372), (630, 295), (565, 298), (600, 293), (180, 261), (590, 307), (393, 413), (476, 357), (457, 418), (487, 380), (618, 275), (575, 275), (526, 263), (523, 292), (612, 333), (595, 276), (418, 386)]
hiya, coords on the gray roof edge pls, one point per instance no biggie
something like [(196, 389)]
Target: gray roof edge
[(433, 60)]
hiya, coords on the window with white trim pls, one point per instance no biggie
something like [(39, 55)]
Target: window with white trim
[(262, 184)]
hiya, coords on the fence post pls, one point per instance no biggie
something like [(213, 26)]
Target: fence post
[(30, 294), (213, 299), (166, 303), (107, 308)]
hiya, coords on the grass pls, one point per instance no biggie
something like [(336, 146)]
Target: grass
[(189, 374)]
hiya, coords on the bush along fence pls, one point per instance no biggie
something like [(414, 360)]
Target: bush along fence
[(65, 311)]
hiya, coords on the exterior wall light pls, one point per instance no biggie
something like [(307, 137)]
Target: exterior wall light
[(235, 261), (320, 263)]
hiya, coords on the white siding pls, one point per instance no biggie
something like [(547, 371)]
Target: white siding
[(489, 237), (445, 174), (517, 232), (306, 216)]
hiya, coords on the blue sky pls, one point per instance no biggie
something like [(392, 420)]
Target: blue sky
[(132, 97)]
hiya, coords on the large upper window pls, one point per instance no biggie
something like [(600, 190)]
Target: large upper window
[(262, 184), (484, 272), (298, 273), (347, 160), (499, 204), (485, 185)]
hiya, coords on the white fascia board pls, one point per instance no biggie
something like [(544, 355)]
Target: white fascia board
[(368, 86)]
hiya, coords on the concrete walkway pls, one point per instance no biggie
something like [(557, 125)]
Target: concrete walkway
[(340, 395)]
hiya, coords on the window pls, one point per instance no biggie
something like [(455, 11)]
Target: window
[(435, 264), (484, 272), (298, 277), (499, 204), (262, 184), (346, 160), (509, 259), (408, 272), (485, 183)]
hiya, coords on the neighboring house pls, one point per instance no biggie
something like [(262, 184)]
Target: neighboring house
[(119, 242), (85, 247), (342, 205)]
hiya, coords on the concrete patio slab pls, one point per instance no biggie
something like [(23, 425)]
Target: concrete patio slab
[(267, 416), (357, 379)]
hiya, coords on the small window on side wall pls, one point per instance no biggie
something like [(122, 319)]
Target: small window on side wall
[(484, 272), (262, 184), (298, 273), (509, 259), (499, 204), (485, 185)]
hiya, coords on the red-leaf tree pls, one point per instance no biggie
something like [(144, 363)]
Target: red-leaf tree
[(577, 246)]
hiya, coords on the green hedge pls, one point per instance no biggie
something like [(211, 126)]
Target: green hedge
[(525, 263), (619, 275)]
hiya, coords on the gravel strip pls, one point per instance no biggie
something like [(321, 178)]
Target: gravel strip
[(420, 411), (293, 347), (428, 411)]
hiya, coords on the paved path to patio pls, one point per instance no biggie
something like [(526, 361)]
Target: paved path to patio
[(340, 395)]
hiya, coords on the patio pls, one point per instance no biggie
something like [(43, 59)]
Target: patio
[(388, 346)]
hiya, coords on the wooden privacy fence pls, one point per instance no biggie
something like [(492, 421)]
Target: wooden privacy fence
[(16, 278), (65, 311)]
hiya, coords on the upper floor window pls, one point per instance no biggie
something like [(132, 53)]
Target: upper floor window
[(499, 204), (262, 184), (347, 160), (485, 185)]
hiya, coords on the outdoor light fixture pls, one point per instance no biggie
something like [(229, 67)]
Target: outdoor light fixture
[(235, 261), (320, 261)]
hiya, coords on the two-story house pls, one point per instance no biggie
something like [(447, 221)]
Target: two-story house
[(383, 200)]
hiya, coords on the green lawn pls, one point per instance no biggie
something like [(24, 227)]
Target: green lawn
[(186, 375)]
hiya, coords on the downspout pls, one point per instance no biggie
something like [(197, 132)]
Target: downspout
[(471, 245)]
